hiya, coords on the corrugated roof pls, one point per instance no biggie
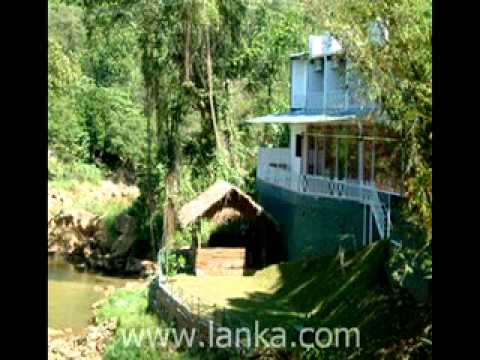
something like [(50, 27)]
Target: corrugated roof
[(300, 119)]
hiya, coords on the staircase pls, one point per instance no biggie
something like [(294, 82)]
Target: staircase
[(381, 213)]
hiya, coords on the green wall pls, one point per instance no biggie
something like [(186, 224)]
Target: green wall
[(314, 225)]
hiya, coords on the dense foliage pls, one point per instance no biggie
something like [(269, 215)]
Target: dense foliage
[(94, 109), (391, 43), (161, 89), (158, 91)]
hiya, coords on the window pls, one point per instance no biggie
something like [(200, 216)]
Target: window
[(298, 146)]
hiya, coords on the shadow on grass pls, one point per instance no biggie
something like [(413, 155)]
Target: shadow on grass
[(320, 292)]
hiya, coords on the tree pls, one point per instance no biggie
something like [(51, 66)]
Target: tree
[(398, 67)]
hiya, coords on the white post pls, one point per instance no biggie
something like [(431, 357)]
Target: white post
[(388, 218), (370, 233), (360, 161), (372, 174), (304, 151), (364, 222), (347, 144), (337, 152), (325, 67), (360, 155), (346, 85), (324, 151)]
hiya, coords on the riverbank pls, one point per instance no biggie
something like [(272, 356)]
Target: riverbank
[(90, 225), (93, 340)]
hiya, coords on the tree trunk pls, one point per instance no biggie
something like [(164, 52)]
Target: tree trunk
[(188, 44), (150, 204), (210, 92)]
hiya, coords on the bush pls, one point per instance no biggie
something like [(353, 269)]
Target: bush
[(411, 269), (174, 263), (66, 134), (73, 171), (200, 231)]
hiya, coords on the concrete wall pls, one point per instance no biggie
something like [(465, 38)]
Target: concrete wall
[(298, 81), (314, 226)]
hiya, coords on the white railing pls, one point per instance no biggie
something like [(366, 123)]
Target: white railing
[(325, 187)]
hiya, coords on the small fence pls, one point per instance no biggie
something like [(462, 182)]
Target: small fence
[(189, 312)]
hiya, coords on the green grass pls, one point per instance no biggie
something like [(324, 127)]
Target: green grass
[(129, 307), (317, 292), (67, 174), (109, 209), (80, 182)]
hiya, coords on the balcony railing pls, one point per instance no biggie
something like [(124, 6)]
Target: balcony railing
[(274, 168)]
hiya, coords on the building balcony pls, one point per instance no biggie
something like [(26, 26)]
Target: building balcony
[(274, 167), (277, 167)]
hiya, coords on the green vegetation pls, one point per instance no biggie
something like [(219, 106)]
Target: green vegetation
[(156, 92), (81, 185), (166, 108), (113, 105), (399, 72), (65, 175), (321, 292), (129, 307)]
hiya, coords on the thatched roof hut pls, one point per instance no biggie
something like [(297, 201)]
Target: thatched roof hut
[(220, 201)]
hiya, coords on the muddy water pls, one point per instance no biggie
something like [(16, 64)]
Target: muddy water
[(71, 294)]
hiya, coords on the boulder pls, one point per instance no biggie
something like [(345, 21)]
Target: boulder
[(102, 240), (148, 268), (133, 266), (71, 240), (54, 332), (124, 223), (123, 244)]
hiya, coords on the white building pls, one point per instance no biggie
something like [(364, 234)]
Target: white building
[(339, 149)]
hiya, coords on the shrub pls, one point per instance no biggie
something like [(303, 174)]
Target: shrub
[(75, 171)]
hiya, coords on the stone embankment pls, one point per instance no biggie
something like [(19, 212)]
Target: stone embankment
[(83, 236)]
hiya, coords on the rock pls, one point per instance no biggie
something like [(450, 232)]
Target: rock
[(81, 266), (133, 266), (102, 241), (87, 251), (124, 223), (71, 240), (97, 304), (89, 345), (54, 332), (134, 285), (53, 248), (98, 288), (123, 244), (109, 290), (149, 268)]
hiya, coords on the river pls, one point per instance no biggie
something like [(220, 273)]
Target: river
[(71, 294)]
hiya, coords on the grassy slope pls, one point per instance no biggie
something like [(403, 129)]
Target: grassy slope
[(353, 295)]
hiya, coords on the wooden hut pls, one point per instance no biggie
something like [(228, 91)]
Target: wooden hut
[(230, 253)]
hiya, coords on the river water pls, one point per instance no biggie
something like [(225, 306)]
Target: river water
[(71, 294)]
